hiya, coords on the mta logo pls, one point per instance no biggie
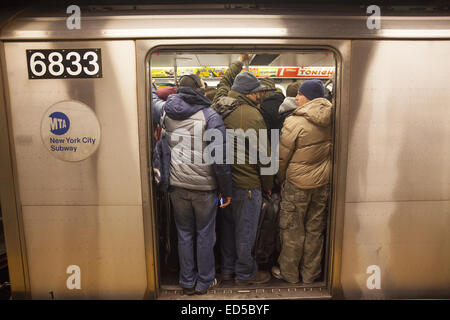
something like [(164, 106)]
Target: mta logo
[(59, 123)]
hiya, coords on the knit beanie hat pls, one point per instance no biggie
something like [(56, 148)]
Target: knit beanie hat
[(292, 89), (164, 92), (312, 89), (268, 83), (246, 82), (190, 80)]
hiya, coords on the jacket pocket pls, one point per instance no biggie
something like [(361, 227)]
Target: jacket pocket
[(287, 215), (321, 194), (300, 196)]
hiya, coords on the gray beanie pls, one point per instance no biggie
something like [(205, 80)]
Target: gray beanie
[(246, 82)]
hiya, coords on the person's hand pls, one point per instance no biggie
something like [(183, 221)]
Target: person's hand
[(226, 203), (245, 57)]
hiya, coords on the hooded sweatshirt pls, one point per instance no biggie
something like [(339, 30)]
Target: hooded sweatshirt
[(305, 145), (188, 116), (286, 108)]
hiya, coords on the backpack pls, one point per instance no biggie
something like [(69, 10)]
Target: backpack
[(161, 158), (268, 245)]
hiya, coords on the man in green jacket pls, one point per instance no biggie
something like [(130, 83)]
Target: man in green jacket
[(237, 100)]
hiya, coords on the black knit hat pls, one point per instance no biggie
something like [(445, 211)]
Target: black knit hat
[(312, 89)]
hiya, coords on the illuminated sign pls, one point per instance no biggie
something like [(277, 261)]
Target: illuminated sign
[(260, 72)]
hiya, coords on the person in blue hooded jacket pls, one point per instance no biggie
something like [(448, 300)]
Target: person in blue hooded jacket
[(157, 105), (195, 182)]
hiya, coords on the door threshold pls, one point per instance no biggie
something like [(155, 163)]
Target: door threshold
[(252, 293)]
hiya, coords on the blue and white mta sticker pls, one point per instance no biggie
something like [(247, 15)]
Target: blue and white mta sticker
[(59, 123)]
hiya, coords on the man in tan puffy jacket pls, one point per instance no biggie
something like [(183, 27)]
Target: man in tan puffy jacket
[(304, 171)]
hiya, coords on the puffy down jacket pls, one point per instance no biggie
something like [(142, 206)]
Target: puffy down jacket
[(305, 145)]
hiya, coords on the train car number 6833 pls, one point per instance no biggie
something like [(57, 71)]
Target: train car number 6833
[(64, 63)]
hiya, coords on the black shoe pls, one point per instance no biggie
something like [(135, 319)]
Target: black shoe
[(259, 278), (214, 284), (188, 291)]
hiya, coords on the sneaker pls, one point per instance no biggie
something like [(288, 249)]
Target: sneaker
[(276, 272), (227, 276), (214, 284), (259, 278), (188, 291)]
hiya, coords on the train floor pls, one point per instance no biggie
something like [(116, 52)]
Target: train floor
[(170, 282), (228, 290)]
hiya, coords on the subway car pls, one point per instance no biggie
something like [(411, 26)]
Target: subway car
[(80, 212)]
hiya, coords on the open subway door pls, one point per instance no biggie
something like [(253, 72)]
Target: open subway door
[(165, 67)]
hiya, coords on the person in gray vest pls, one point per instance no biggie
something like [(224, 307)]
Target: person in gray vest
[(194, 182)]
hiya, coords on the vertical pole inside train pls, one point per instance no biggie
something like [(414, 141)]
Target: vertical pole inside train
[(175, 69)]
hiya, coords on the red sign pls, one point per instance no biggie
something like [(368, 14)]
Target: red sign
[(287, 72)]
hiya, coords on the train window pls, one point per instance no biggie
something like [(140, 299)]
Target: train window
[(282, 72)]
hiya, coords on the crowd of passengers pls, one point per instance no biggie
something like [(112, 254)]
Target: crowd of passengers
[(241, 101)]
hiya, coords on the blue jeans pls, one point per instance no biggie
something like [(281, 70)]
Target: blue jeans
[(195, 218), (238, 232)]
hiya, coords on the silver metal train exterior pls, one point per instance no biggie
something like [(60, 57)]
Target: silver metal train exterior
[(390, 211)]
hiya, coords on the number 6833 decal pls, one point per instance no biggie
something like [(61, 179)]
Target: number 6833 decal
[(64, 63)]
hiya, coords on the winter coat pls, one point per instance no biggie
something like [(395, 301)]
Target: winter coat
[(305, 145), (189, 112), (286, 108), (224, 86), (161, 163), (157, 106), (269, 110), (239, 111)]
